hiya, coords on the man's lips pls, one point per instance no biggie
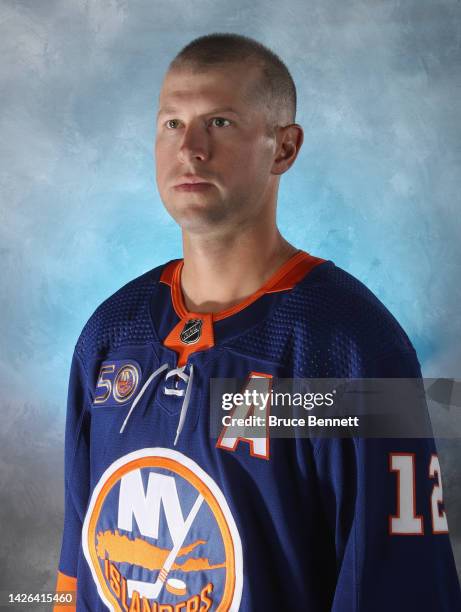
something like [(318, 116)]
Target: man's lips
[(193, 187), (192, 183)]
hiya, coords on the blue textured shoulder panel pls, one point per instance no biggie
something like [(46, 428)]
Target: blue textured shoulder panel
[(123, 317), (328, 325)]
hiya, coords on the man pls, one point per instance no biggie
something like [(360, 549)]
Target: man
[(159, 515)]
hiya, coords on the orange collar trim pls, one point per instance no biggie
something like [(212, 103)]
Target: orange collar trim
[(284, 279)]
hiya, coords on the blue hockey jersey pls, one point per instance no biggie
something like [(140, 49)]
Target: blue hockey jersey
[(162, 517)]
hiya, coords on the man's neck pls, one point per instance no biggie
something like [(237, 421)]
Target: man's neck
[(219, 273)]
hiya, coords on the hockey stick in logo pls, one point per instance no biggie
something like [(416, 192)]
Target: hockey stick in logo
[(152, 591)]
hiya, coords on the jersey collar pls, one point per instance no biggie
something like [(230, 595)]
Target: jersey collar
[(195, 331), (284, 279)]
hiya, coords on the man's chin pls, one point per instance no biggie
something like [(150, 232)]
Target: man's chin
[(198, 217)]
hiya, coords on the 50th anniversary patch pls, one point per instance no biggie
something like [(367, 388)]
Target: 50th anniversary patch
[(159, 537), (117, 382)]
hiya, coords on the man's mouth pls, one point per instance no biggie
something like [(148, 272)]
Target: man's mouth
[(193, 187), (192, 182)]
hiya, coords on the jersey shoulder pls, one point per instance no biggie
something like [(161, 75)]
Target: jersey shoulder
[(340, 301), (330, 324), (123, 317)]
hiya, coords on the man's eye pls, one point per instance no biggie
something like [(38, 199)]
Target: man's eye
[(220, 122), (172, 124)]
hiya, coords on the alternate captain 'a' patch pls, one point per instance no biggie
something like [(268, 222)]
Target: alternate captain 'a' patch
[(159, 537)]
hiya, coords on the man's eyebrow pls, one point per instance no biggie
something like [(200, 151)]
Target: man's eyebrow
[(168, 110), (165, 110)]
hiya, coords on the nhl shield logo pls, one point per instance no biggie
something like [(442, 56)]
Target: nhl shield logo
[(192, 331)]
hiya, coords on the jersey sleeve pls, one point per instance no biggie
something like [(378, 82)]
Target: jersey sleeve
[(76, 476), (383, 499)]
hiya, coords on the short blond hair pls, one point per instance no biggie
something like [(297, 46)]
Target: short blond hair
[(276, 87)]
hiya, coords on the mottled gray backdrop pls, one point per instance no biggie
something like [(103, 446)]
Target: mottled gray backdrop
[(376, 189)]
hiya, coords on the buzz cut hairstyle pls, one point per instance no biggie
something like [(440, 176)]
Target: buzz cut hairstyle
[(276, 86)]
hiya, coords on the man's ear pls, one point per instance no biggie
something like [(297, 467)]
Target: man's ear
[(289, 141)]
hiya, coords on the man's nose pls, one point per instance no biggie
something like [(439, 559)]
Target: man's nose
[(195, 144)]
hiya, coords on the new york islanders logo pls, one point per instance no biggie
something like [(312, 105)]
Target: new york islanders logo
[(159, 537), (125, 383)]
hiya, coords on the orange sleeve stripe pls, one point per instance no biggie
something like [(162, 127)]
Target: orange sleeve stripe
[(65, 583)]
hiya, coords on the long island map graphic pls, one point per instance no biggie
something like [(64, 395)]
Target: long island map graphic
[(159, 537)]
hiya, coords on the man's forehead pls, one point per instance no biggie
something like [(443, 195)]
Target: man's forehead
[(227, 85)]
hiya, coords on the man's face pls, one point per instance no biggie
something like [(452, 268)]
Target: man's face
[(212, 128)]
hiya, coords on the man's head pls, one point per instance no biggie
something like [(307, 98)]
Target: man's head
[(226, 114)]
